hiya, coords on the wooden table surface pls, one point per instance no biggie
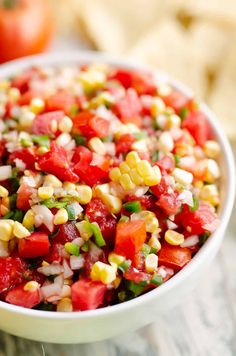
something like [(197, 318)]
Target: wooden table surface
[(204, 324)]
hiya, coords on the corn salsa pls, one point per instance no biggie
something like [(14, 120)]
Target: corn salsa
[(109, 185)]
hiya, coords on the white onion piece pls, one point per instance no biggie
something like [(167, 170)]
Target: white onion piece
[(77, 208), (51, 270), (140, 191), (76, 262), (171, 225), (190, 241), (211, 227), (78, 241), (46, 214), (186, 197), (5, 172), (51, 290), (110, 148), (164, 271), (4, 249), (67, 270), (20, 164), (95, 251)]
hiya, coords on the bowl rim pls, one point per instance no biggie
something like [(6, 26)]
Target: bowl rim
[(77, 57)]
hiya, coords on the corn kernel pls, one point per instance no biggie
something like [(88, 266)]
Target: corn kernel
[(66, 291), (6, 229), (135, 177), (124, 168), (31, 286), (41, 150), (45, 192), (65, 125), (3, 192), (210, 193), (69, 186), (84, 229), (103, 272), (65, 305), (151, 263), (182, 177), (28, 220), (173, 121), (153, 179), (212, 171), (114, 258), (126, 182), (174, 238), (61, 217), (114, 203), (4, 249), (211, 149), (198, 184), (165, 142), (158, 106), (97, 146), (102, 189), (92, 79), (6, 202), (84, 194), (4, 210), (14, 94), (140, 146), (144, 168), (5, 84), (51, 180), (63, 139), (20, 231), (26, 119), (154, 243), (115, 174), (117, 282), (132, 159), (37, 105), (45, 263), (54, 126)]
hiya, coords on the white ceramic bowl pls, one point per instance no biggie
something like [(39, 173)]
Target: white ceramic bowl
[(88, 326)]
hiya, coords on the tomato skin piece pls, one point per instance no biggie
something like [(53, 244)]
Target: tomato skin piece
[(130, 237), (13, 270), (24, 194), (175, 257), (128, 108), (27, 155), (66, 233), (42, 124), (169, 203), (56, 162), (62, 100), (90, 125), (176, 100), (197, 125), (35, 245), (23, 298), (87, 294)]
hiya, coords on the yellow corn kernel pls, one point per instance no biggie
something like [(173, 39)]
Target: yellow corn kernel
[(126, 182), (41, 150), (3, 192), (101, 189), (97, 146), (84, 194), (132, 159), (45, 263), (182, 177), (6, 202), (210, 193), (4, 210), (61, 217), (65, 125), (6, 229), (153, 179), (54, 126), (13, 94), (69, 186), (165, 142), (151, 263), (173, 121), (198, 184), (31, 286), (103, 98), (154, 243), (66, 291), (20, 231), (158, 106), (140, 146), (103, 272), (124, 168), (92, 79), (28, 220), (144, 168), (135, 177), (114, 203), (63, 139), (115, 174), (212, 171), (51, 180), (65, 305), (117, 282), (68, 281), (114, 258), (26, 119), (37, 105), (5, 84), (211, 149), (84, 229), (4, 249), (45, 192), (174, 238)]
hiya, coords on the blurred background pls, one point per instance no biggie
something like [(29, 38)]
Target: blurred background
[(193, 41)]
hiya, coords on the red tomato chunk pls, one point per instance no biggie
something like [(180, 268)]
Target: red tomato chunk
[(35, 245), (87, 294)]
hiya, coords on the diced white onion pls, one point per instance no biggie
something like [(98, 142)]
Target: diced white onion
[(211, 227), (190, 241), (20, 164), (53, 269), (171, 225), (186, 197), (76, 262), (5, 172), (67, 270), (46, 216), (77, 208)]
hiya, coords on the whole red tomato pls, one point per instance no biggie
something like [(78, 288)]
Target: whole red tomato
[(25, 27)]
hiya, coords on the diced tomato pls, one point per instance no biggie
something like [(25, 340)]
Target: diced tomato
[(42, 124), (56, 162), (81, 151), (90, 125), (27, 155), (196, 123), (176, 100), (132, 274), (55, 252), (166, 164), (147, 201), (30, 94), (23, 298), (21, 81), (128, 108), (163, 187), (87, 294), (124, 144), (2, 149), (66, 233), (175, 257), (24, 194), (130, 237), (62, 100), (169, 203), (91, 167), (98, 212), (35, 245), (198, 221), (13, 271)]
